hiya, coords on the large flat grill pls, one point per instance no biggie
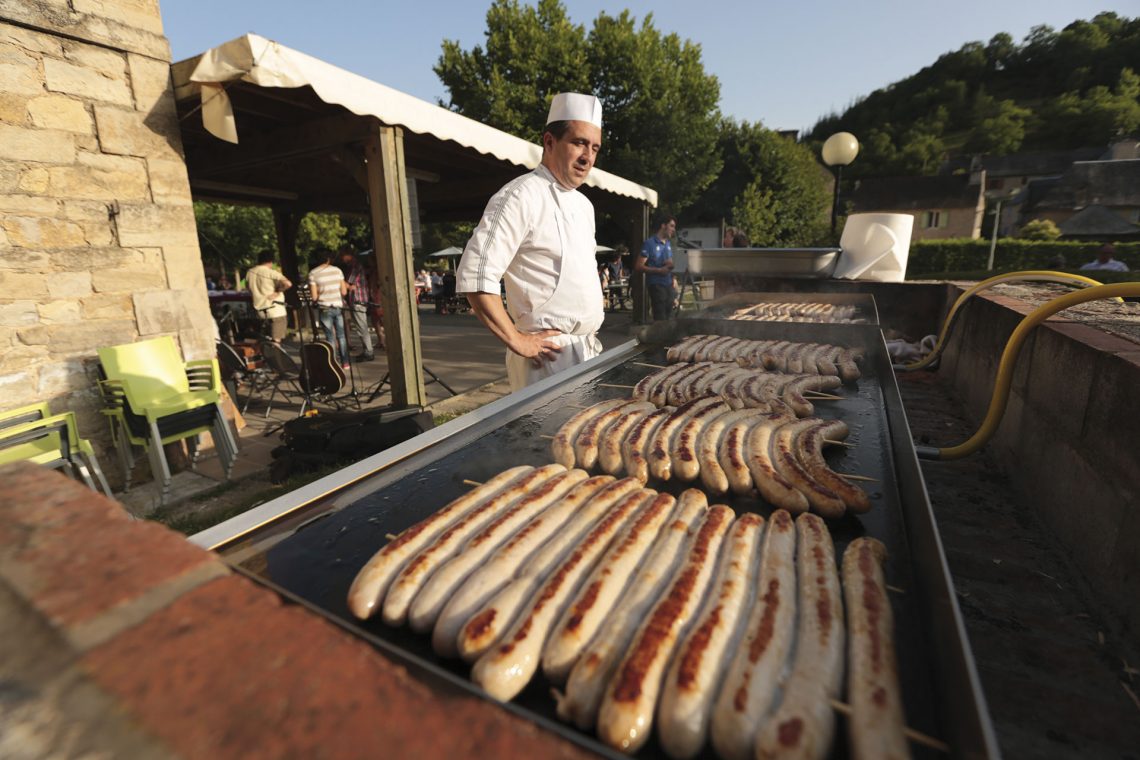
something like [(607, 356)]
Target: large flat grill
[(310, 544)]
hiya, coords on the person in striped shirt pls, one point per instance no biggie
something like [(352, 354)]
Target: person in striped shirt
[(328, 288)]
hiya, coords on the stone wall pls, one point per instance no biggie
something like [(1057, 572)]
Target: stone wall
[(97, 236)]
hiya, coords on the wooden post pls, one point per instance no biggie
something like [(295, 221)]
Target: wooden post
[(639, 232), (286, 221), (392, 242)]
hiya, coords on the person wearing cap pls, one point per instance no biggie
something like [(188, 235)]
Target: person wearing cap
[(537, 236)]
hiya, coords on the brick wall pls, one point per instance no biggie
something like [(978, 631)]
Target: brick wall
[(97, 237)]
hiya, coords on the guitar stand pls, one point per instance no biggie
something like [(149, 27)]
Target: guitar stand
[(378, 387)]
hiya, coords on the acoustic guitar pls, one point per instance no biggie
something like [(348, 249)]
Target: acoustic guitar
[(321, 373)]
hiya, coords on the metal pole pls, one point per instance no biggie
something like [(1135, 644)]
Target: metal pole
[(835, 201), (993, 237)]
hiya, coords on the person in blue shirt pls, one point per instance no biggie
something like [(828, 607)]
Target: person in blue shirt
[(656, 262)]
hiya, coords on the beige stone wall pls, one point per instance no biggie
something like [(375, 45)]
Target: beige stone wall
[(97, 235)]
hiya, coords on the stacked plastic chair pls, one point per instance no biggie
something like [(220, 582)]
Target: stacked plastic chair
[(152, 398), (33, 434)]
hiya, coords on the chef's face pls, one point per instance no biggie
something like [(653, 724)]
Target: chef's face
[(570, 157)]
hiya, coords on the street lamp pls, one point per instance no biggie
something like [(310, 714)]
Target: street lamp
[(839, 150), (1008, 195)]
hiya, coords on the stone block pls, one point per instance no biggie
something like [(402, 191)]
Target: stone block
[(107, 63), (19, 71), (28, 205), (155, 225), (34, 180), (20, 357), (85, 337), (160, 311), (108, 306), (1110, 435), (13, 109), (42, 232), (18, 313), (128, 280), (34, 42), (135, 133), (96, 259), (70, 285), (19, 388), (59, 112), (86, 83), (199, 344), (139, 14), (37, 145), (1060, 379), (61, 377), (26, 284), (184, 268), (150, 82), (10, 173), (98, 183), (55, 312), (62, 16), (168, 181)]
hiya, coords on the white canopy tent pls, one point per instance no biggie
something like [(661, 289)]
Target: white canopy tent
[(447, 252)]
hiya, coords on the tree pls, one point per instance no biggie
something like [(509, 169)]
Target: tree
[(660, 107), (320, 231), (1039, 229), (232, 236), (1000, 126)]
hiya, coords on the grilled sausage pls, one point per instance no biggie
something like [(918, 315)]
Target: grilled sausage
[(733, 455), (492, 575), (484, 628), (809, 449), (563, 443), (609, 448), (750, 685), (713, 476), (676, 389), (686, 463), (416, 572), (586, 444), (657, 454), (876, 724), (372, 582), (590, 676), (786, 457), (634, 448), (626, 716), (674, 353), (804, 724), (593, 601), (505, 669), (773, 486), (695, 674), (643, 391), (431, 599)]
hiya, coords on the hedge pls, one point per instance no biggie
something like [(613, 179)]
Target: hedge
[(938, 258)]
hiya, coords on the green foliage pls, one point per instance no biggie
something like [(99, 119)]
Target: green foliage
[(230, 237), (1055, 90), (320, 231), (1040, 229), (660, 107), (940, 258)]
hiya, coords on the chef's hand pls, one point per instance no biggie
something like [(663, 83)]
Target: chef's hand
[(538, 347)]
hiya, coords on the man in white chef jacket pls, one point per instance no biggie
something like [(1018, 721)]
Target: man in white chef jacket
[(537, 236)]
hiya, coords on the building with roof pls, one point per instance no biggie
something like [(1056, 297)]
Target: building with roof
[(1092, 200), (942, 206)]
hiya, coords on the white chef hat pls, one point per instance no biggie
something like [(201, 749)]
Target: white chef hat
[(574, 106)]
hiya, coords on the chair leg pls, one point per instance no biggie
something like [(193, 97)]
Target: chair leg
[(192, 445), (79, 466), (158, 457), (94, 461), (225, 442)]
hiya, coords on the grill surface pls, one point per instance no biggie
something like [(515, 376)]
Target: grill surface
[(314, 553)]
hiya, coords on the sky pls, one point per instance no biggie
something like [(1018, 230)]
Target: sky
[(784, 64)]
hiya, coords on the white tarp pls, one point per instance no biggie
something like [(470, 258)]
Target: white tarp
[(449, 251), (259, 61)]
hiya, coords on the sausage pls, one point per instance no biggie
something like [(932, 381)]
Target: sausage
[(726, 351), (430, 600), (676, 393), (804, 724), (848, 369), (703, 353), (591, 674), (750, 684), (563, 443), (699, 664), (731, 389), (643, 391), (774, 358), (703, 387), (506, 668), (809, 450), (495, 573), (372, 582), (773, 486), (708, 445), (480, 632), (658, 452), (412, 577), (626, 716), (795, 358), (733, 454), (689, 353), (673, 354), (876, 725), (659, 396), (586, 444), (609, 448), (593, 601), (787, 460), (683, 454), (633, 449)]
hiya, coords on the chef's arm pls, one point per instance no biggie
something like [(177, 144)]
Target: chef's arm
[(489, 308)]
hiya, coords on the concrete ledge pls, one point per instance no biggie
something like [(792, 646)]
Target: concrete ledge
[(1070, 438)]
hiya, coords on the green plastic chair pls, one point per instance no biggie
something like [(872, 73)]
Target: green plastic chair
[(152, 398), (31, 433)]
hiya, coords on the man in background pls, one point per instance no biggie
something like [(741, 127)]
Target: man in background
[(328, 288), (656, 262), (266, 285), (358, 299), (1106, 260)]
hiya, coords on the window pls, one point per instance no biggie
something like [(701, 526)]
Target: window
[(935, 219)]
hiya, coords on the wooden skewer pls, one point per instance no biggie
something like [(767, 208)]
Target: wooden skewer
[(647, 364), (857, 477), (915, 736), (614, 385), (389, 536), (472, 483), (896, 589), (839, 443), (547, 437), (816, 395)]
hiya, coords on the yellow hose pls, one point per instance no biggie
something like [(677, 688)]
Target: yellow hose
[(1038, 275), (1009, 358)]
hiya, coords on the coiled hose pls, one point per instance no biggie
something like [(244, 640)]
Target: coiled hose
[(1031, 275), (1009, 357)]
